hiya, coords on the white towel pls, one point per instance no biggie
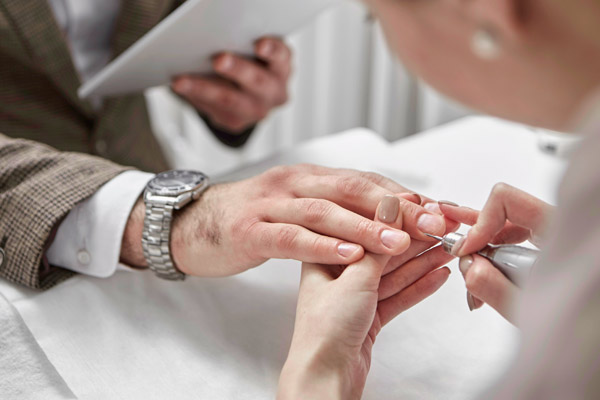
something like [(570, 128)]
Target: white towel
[(25, 372)]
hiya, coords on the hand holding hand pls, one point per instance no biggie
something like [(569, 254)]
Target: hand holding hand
[(243, 91), (510, 216), (339, 314), (305, 212)]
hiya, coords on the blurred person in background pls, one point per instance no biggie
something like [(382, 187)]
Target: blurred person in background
[(533, 61)]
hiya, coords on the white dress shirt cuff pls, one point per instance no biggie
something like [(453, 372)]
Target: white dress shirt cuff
[(88, 241)]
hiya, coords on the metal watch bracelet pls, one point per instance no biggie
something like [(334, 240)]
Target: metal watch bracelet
[(155, 241)]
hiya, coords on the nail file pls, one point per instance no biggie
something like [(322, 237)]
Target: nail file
[(515, 262)]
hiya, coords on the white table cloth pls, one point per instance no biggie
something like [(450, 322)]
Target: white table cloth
[(134, 336)]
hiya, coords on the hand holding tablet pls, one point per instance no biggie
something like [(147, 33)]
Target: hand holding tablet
[(187, 40)]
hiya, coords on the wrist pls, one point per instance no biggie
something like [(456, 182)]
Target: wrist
[(195, 236), (308, 377), (132, 253)]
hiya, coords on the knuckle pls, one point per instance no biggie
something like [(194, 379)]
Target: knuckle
[(244, 229), (321, 245), (227, 99), (263, 237), (251, 235), (257, 79), (286, 238), (500, 188), (352, 186), (315, 211), (373, 177), (279, 173), (365, 228)]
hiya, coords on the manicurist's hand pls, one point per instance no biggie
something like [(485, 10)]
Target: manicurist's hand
[(339, 314), (510, 216), (243, 90), (303, 212)]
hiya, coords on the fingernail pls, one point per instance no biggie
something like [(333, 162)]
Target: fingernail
[(266, 48), (448, 203), (388, 209), (393, 239), (464, 264), (429, 223), (183, 86), (347, 249), (224, 63), (458, 246), (470, 301)]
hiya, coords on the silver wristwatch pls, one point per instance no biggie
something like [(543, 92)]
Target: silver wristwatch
[(168, 191)]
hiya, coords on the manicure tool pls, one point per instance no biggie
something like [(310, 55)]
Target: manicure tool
[(515, 262)]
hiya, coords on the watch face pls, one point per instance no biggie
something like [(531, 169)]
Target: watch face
[(173, 183)]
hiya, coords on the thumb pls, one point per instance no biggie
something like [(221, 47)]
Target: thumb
[(487, 283), (364, 275)]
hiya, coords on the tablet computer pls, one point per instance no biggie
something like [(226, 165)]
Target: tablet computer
[(188, 38)]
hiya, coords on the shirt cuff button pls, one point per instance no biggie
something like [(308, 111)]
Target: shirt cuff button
[(84, 257)]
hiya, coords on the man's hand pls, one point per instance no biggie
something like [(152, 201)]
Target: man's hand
[(308, 213), (244, 90)]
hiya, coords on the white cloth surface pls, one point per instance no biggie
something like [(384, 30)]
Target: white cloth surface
[(135, 336), (88, 241), (25, 372), (88, 26)]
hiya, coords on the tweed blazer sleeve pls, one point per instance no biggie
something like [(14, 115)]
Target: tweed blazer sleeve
[(38, 188)]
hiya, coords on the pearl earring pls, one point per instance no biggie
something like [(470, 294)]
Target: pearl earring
[(485, 44)]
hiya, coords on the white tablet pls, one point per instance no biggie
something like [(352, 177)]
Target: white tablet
[(187, 39)]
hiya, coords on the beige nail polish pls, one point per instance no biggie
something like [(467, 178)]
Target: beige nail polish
[(457, 246), (388, 209), (470, 301), (464, 264)]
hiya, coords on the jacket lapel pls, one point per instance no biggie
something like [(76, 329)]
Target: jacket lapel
[(47, 46)]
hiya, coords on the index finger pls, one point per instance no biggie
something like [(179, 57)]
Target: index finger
[(505, 203), (510, 233), (276, 54), (362, 196)]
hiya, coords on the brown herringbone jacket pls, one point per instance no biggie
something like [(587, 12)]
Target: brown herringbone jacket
[(38, 101)]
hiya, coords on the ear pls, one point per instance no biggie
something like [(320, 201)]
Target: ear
[(507, 17)]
